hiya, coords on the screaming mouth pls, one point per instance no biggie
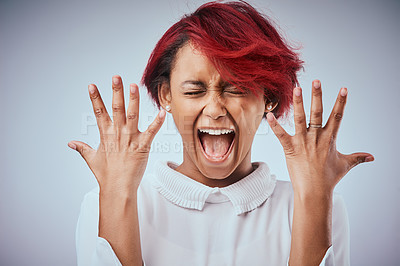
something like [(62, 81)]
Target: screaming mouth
[(216, 143)]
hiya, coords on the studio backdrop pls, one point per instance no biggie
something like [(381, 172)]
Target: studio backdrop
[(51, 50)]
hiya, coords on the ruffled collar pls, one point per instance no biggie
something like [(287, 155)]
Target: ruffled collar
[(245, 195)]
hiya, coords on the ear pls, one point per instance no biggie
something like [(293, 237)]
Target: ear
[(270, 105), (164, 94)]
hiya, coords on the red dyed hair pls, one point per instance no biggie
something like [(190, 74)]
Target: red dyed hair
[(242, 44)]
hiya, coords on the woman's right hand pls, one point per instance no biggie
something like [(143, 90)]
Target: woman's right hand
[(121, 158), (118, 165)]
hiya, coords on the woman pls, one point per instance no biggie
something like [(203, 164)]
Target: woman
[(219, 72)]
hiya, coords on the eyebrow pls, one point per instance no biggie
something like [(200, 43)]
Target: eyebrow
[(193, 82), (203, 85)]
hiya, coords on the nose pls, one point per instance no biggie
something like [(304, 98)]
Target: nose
[(214, 107)]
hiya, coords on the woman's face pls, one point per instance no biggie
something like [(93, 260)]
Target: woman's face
[(217, 122)]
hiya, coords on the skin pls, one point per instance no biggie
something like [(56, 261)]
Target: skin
[(119, 165), (315, 167), (200, 98), (314, 164)]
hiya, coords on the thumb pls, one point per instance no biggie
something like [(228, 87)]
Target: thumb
[(358, 157), (84, 149)]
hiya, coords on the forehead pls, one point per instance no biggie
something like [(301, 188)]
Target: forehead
[(191, 63)]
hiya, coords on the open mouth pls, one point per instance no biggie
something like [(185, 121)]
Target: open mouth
[(216, 143)]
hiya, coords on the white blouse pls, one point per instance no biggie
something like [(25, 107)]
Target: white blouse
[(183, 222)]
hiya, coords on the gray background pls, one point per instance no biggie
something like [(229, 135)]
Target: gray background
[(51, 50)]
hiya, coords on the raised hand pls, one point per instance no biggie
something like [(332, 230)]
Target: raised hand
[(314, 164), (315, 167), (119, 165), (121, 159)]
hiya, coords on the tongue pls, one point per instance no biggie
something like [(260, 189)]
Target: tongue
[(216, 146)]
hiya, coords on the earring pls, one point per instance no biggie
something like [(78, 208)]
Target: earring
[(269, 107), (168, 108)]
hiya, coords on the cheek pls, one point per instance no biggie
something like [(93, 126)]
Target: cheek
[(184, 114), (248, 116)]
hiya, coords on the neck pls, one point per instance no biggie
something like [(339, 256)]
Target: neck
[(189, 169)]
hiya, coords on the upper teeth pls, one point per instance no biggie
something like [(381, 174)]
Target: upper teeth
[(216, 131)]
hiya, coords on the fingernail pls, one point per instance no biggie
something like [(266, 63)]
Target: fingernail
[(317, 84), (161, 114), (115, 80), (297, 91), (369, 158), (133, 89), (343, 92), (270, 117), (72, 146), (91, 89)]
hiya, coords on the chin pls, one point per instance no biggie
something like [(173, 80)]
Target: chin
[(216, 173)]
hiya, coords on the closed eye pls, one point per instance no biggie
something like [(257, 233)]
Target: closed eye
[(196, 92), (193, 87), (235, 91)]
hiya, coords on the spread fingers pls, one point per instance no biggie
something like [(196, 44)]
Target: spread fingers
[(316, 105), (299, 115), (118, 104), (133, 109), (336, 115), (99, 109)]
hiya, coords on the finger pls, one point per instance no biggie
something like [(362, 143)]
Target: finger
[(133, 108), (99, 109), (154, 127), (316, 104), (357, 158), (84, 149), (299, 115), (118, 104), (336, 115), (280, 133)]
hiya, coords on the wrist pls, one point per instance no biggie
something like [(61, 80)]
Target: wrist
[(313, 198), (315, 208), (312, 192), (118, 189), (117, 196)]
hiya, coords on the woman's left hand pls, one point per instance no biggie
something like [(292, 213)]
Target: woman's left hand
[(315, 166)]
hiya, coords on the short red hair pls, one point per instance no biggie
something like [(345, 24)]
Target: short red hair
[(242, 44)]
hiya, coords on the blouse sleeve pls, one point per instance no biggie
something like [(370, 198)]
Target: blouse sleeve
[(90, 248), (340, 250)]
